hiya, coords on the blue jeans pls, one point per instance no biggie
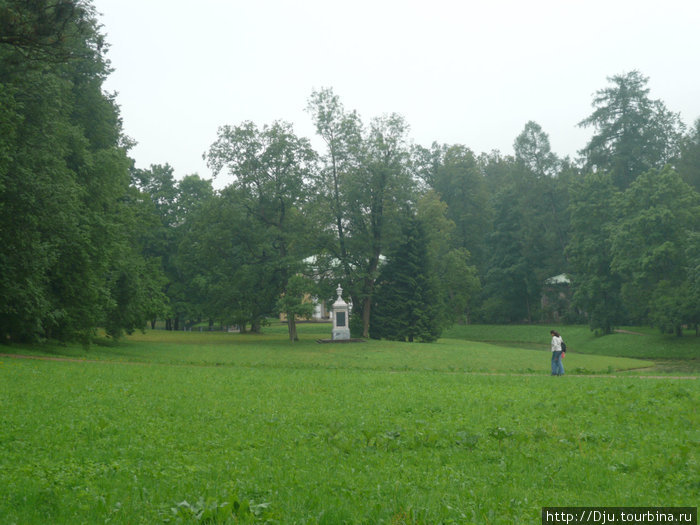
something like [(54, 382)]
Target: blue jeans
[(557, 365)]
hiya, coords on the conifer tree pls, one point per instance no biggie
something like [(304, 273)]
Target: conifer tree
[(406, 306)]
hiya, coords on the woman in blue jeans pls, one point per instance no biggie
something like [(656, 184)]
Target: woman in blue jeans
[(557, 365)]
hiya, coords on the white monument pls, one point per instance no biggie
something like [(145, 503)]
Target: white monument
[(341, 318)]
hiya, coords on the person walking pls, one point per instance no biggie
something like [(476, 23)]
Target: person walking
[(557, 354)]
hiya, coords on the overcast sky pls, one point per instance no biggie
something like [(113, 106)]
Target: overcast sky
[(467, 72)]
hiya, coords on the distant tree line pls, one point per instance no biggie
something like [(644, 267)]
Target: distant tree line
[(419, 237)]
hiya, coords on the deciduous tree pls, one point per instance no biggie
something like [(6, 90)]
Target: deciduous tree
[(597, 289), (274, 176), (63, 178), (688, 164), (454, 279), (368, 180), (660, 218), (533, 151)]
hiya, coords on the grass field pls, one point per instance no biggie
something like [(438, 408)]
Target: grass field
[(224, 428), (663, 353), (273, 350)]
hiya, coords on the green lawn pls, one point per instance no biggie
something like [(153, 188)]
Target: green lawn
[(228, 428), (666, 353), (273, 350)]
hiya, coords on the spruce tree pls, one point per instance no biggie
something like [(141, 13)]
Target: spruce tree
[(406, 306)]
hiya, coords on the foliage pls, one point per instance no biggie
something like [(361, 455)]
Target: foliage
[(533, 151), (65, 243), (453, 173), (597, 289), (224, 253), (629, 250), (275, 175), (45, 31), (526, 244), (510, 284), (406, 302), (692, 254), (167, 206), (454, 280), (661, 216), (296, 302), (633, 133), (366, 184), (211, 511), (88, 240), (688, 165)]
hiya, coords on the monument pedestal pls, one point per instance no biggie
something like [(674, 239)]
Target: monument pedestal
[(341, 318)]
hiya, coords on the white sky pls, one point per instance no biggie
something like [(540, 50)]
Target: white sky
[(462, 72)]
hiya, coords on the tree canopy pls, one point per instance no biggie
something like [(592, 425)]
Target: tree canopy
[(633, 133), (420, 237), (67, 261)]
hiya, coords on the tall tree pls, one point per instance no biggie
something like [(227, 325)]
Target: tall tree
[(526, 245), (633, 133), (379, 188), (406, 302), (533, 154), (341, 132), (64, 182), (453, 172), (157, 183), (368, 180), (660, 218), (511, 285), (692, 254), (185, 287), (454, 279), (597, 289), (228, 262), (688, 165), (137, 273), (533, 151), (296, 302), (275, 173)]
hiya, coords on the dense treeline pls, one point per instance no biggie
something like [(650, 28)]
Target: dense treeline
[(419, 237), (71, 256)]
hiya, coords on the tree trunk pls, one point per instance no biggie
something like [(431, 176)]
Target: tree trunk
[(366, 305), (529, 314), (292, 324)]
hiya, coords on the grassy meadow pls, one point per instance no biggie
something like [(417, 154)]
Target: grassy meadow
[(230, 428)]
